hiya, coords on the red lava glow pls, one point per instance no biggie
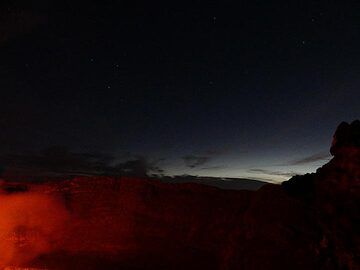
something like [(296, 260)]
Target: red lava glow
[(308, 222), (30, 224)]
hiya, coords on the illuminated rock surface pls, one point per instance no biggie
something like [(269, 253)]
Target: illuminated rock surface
[(308, 222)]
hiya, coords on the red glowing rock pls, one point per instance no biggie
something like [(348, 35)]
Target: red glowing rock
[(309, 222)]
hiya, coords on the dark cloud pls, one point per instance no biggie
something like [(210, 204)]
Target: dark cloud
[(213, 168), (192, 161), (139, 167), (217, 152), (222, 151), (272, 173), (310, 159), (60, 160), (213, 152)]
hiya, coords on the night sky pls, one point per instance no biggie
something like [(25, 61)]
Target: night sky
[(250, 89)]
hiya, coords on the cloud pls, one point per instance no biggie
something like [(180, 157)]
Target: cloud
[(217, 152), (272, 173), (139, 167), (223, 151), (60, 160), (213, 168), (192, 161), (310, 159)]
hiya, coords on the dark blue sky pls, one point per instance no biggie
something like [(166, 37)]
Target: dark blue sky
[(243, 89)]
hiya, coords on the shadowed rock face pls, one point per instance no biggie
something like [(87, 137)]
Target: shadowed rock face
[(333, 193), (308, 222), (346, 136)]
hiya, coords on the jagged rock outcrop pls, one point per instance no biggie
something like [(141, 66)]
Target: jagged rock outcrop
[(347, 136), (333, 193), (308, 222)]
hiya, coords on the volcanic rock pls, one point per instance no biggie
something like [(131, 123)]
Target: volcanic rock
[(308, 222)]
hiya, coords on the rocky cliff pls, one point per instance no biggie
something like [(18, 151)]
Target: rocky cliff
[(308, 222)]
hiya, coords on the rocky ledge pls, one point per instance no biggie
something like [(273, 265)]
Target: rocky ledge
[(308, 222)]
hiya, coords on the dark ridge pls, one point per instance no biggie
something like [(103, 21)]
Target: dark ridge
[(302, 186), (346, 135), (105, 222)]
